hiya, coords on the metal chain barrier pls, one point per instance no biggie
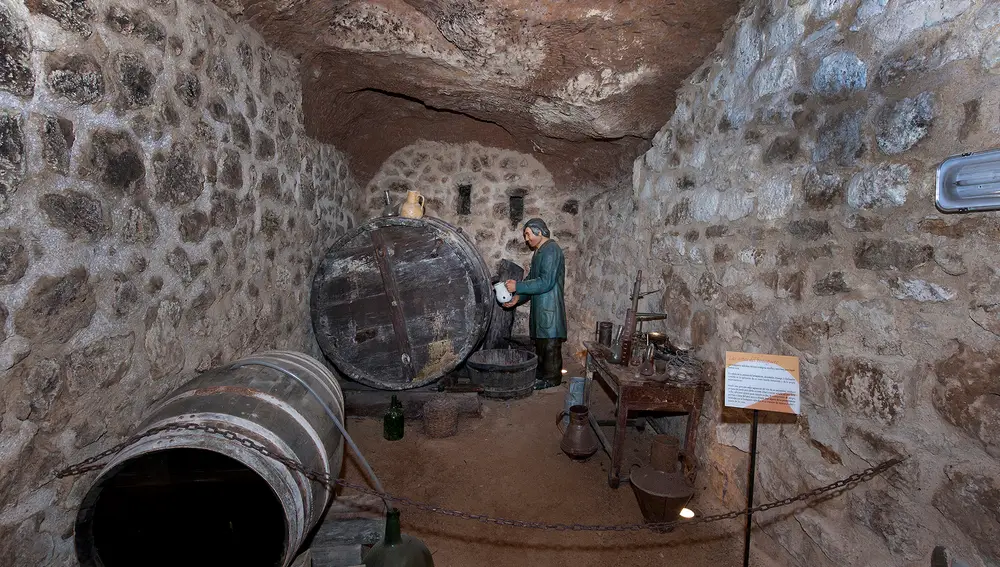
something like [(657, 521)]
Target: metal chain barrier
[(93, 463)]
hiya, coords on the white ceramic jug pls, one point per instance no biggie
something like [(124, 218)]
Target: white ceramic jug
[(503, 296)]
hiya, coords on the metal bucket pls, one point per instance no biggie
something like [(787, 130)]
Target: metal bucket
[(504, 374), (661, 495), (195, 498)]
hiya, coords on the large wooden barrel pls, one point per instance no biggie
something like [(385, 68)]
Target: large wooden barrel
[(190, 497), (400, 302)]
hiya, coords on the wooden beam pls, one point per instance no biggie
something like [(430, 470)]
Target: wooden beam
[(374, 403)]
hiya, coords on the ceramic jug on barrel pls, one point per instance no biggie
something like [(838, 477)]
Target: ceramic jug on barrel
[(413, 207), (579, 441)]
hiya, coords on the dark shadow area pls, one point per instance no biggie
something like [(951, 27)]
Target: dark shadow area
[(187, 507)]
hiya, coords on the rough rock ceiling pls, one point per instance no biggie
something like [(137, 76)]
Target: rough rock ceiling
[(583, 85)]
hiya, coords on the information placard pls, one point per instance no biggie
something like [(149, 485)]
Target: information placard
[(766, 382)]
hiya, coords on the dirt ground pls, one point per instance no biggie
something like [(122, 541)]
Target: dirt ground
[(509, 464)]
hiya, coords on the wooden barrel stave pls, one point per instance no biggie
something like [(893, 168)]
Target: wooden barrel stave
[(441, 286), (261, 404)]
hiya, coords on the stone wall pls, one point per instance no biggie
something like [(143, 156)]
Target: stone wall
[(788, 207), (502, 189), (160, 212)]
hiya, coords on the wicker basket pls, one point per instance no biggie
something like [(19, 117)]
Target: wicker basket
[(440, 417)]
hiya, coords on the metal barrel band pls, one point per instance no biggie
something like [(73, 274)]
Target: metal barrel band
[(88, 465)]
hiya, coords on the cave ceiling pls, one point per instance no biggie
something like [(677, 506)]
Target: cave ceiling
[(583, 86)]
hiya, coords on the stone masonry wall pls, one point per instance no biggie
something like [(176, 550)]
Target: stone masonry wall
[(497, 181), (788, 207), (160, 209)]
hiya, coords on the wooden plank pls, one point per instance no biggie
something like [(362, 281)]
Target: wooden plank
[(353, 519), (374, 403), (395, 305), (337, 556)]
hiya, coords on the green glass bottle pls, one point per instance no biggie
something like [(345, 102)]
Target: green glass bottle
[(396, 549), (392, 422)]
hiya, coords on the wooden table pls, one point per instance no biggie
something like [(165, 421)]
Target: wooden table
[(639, 393)]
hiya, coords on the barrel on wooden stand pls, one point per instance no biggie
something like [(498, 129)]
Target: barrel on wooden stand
[(190, 497), (398, 302)]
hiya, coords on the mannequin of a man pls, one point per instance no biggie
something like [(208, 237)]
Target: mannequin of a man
[(544, 288)]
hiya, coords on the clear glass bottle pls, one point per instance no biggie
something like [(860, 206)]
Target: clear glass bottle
[(392, 421), (397, 549)]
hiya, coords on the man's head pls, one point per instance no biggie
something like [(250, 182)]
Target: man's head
[(536, 232)]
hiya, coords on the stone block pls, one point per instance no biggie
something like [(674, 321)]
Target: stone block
[(76, 213), (901, 125), (135, 224), (965, 394), (782, 149), (114, 159), (180, 180), (809, 229), (839, 139), (164, 348), (57, 142), (72, 15), (831, 284), (265, 148), (863, 223), (823, 190), (888, 516), (181, 263), (868, 11), (240, 131), (57, 307), (12, 157), (880, 254), (15, 55), (991, 56), (188, 89), (970, 498), (866, 388), (777, 75), (872, 324), (193, 226), (13, 257), (774, 199), (885, 185), (136, 80), (99, 365), (841, 72), (135, 23), (805, 333), (919, 290)]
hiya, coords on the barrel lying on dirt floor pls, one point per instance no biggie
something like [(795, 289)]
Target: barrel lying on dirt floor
[(191, 497), (399, 302)]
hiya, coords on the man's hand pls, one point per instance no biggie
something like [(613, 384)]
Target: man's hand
[(512, 302), (511, 286)]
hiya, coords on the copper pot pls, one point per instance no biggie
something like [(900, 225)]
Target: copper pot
[(578, 441)]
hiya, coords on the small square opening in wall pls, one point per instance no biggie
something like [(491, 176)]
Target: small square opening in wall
[(465, 199), (516, 210)]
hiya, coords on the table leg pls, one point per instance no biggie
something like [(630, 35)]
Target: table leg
[(691, 436), (614, 475)]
